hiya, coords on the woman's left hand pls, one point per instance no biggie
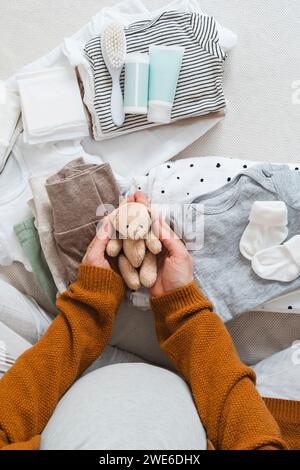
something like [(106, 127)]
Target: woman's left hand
[(95, 254)]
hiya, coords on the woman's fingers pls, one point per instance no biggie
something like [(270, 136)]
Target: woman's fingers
[(139, 196), (130, 198), (95, 254), (162, 230), (168, 237), (103, 236)]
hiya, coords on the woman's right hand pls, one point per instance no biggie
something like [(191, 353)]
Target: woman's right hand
[(175, 264)]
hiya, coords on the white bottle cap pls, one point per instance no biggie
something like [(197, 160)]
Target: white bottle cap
[(137, 58), (160, 112)]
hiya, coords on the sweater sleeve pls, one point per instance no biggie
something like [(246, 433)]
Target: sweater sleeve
[(196, 340), (30, 390)]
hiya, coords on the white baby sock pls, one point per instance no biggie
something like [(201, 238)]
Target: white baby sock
[(279, 263), (266, 228)]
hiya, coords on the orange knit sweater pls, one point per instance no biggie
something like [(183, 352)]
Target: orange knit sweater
[(232, 412)]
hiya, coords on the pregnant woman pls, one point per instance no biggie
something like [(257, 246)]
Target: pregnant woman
[(45, 403)]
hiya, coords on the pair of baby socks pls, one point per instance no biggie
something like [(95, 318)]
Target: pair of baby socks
[(261, 242)]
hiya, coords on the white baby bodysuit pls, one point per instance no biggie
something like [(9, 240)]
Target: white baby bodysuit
[(180, 181)]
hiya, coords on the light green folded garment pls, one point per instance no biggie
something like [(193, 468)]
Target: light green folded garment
[(28, 237)]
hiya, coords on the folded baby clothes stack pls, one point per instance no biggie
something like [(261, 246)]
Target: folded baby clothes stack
[(28, 161), (143, 149), (42, 211), (126, 13), (199, 88), (79, 195), (52, 108)]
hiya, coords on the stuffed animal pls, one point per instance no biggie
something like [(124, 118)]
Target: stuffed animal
[(139, 245)]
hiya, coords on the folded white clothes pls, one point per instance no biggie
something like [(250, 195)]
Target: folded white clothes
[(44, 159), (52, 107), (134, 153), (27, 161), (267, 227), (9, 116)]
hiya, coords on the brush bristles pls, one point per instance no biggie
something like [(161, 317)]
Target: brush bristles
[(114, 43)]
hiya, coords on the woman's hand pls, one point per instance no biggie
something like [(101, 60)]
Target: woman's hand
[(95, 254), (175, 264)]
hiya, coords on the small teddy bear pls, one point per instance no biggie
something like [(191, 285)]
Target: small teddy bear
[(137, 262)]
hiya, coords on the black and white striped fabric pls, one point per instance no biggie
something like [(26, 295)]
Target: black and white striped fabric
[(199, 89)]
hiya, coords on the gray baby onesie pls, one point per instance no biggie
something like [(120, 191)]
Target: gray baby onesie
[(221, 271)]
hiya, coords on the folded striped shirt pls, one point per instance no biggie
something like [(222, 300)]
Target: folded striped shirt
[(199, 89)]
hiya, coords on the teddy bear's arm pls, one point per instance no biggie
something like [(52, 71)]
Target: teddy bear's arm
[(114, 247), (153, 243)]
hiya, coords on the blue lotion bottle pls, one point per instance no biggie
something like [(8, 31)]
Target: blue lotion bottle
[(136, 83), (165, 65)]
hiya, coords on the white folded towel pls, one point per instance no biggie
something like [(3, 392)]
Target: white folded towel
[(52, 108)]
